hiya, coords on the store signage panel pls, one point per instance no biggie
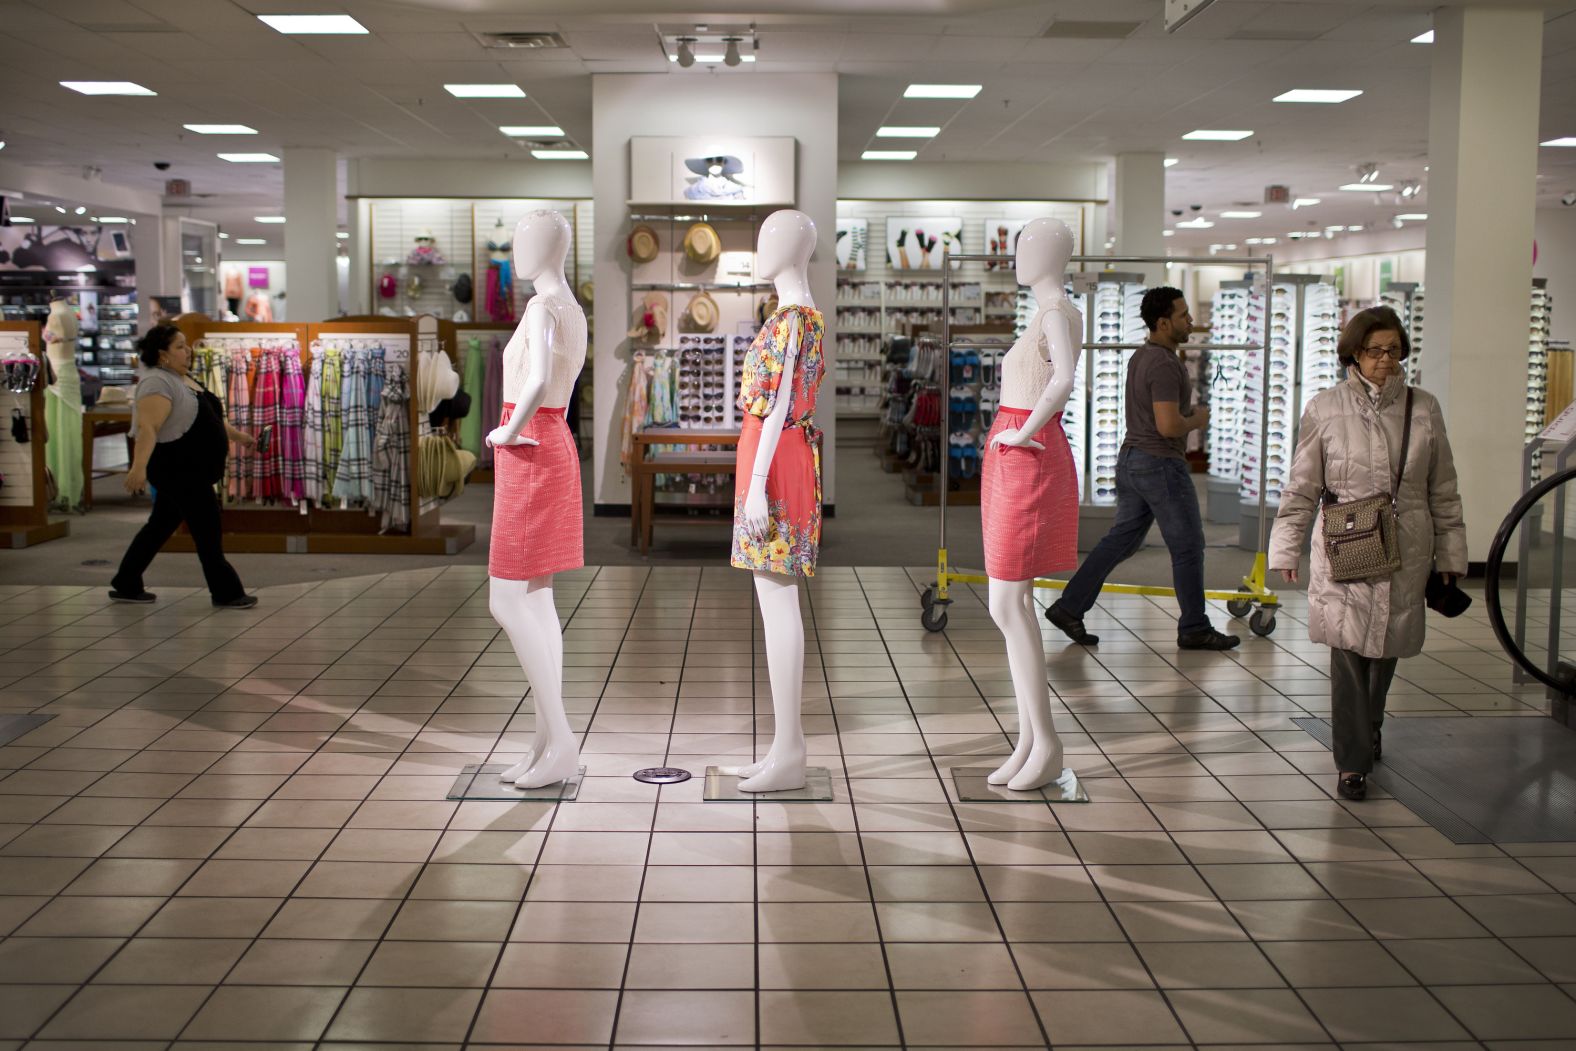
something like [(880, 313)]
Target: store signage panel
[(257, 277), (701, 170)]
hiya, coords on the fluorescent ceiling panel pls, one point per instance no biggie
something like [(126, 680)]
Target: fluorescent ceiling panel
[(1327, 96), (248, 158), (220, 129), (106, 87), (889, 155), (1216, 135), (313, 25), (532, 131), (892, 131), (941, 91), (485, 91)]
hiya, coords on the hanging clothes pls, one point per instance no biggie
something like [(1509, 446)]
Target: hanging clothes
[(664, 409), (292, 420), (390, 476), (492, 397), (312, 432), (500, 291), (636, 404), (473, 381), (332, 401), (238, 375), (267, 475), (353, 477)]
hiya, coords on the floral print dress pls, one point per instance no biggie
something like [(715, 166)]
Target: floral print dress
[(793, 486)]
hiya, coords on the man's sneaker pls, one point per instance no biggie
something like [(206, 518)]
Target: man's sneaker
[(1071, 626), (243, 602), (1207, 639), (141, 599)]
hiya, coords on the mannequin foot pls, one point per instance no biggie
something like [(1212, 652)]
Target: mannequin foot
[(555, 765), (518, 770), (1020, 755), (743, 771), (782, 770), (1043, 766)]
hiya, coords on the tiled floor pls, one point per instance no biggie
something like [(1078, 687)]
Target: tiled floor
[(235, 830)]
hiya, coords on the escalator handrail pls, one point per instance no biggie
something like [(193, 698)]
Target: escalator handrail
[(1495, 564)]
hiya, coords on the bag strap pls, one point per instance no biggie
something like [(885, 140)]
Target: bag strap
[(1406, 441)]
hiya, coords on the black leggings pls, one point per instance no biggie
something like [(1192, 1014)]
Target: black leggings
[(197, 506)]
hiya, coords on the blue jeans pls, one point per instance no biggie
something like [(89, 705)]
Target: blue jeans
[(1149, 489)]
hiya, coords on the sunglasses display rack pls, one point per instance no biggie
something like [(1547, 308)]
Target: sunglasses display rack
[(1538, 367), (1111, 315), (1321, 329), (1406, 299), (1272, 322), (1224, 374), (115, 345), (24, 497)]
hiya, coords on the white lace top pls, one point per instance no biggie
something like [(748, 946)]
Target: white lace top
[(568, 352)]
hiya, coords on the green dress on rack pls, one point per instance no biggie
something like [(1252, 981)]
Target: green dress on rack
[(473, 380), (63, 406)]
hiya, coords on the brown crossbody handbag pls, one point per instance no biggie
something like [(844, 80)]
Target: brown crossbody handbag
[(1362, 537)]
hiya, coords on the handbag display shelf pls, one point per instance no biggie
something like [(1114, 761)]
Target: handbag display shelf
[(24, 494), (254, 527)]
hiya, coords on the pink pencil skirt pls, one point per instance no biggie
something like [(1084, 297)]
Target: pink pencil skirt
[(537, 525), (1029, 502)]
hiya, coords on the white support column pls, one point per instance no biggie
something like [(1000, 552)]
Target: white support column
[(311, 216), (1482, 148), (1138, 209)]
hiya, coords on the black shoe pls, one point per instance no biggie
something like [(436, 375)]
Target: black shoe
[(141, 599), (1353, 787), (242, 602), (1378, 744), (1207, 639), (1070, 625)]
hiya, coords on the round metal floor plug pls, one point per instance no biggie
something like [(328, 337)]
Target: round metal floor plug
[(662, 775)]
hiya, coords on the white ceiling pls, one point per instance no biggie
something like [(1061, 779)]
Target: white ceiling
[(1044, 98)]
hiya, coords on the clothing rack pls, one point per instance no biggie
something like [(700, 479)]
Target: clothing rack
[(455, 337), (328, 526), (24, 496)]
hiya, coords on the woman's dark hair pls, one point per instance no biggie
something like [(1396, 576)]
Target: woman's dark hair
[(1157, 303), (156, 341), (1364, 323)]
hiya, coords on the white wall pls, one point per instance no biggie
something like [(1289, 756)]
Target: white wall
[(525, 177), (890, 180), (1555, 232), (803, 106)]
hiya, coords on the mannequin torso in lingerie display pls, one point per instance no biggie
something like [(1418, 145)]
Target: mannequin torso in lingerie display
[(537, 525), (1029, 495)]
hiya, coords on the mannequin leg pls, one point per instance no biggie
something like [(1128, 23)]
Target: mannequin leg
[(525, 610), (1036, 761), (783, 767)]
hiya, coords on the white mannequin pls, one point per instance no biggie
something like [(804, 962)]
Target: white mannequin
[(1042, 378), (782, 257), (525, 607)]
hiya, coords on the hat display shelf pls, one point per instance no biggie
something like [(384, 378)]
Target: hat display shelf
[(307, 528), (418, 255), (24, 493)]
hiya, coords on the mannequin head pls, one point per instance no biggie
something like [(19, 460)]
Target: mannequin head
[(786, 243), (1044, 247), (541, 243)]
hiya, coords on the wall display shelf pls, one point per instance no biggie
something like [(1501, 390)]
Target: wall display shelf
[(1406, 299), (1539, 310), (255, 517), (869, 312), (24, 496)]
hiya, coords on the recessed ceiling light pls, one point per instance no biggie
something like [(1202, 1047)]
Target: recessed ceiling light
[(106, 87), (1424, 38), (343, 235), (250, 241), (249, 158), (941, 91), (1413, 217), (1168, 233), (220, 129), (1172, 162), (110, 219), (532, 131), (1568, 140), (1254, 241), (269, 218), (1216, 135), (1325, 95), (894, 131), (81, 210), (559, 155), (1200, 223), (223, 236), (59, 209), (485, 91), (1367, 187), (313, 24), (888, 155), (1268, 240), (1304, 202), (22, 219), (1240, 215)]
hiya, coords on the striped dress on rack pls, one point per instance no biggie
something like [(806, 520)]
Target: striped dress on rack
[(492, 397), (391, 454), (237, 364), (292, 421), (312, 466), (267, 476), (333, 417), (353, 478)]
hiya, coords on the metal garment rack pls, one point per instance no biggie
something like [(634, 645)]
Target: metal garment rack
[(1254, 596)]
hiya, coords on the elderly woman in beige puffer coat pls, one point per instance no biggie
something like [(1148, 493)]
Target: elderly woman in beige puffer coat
[(1349, 446)]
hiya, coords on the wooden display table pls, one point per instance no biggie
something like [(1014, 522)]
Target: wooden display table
[(646, 463), (98, 423)]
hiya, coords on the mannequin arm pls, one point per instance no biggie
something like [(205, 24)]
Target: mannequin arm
[(756, 514), (536, 329), (1064, 357)]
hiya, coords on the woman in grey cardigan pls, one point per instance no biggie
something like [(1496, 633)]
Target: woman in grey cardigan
[(1349, 445)]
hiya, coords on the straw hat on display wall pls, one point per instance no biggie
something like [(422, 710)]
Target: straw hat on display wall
[(702, 314), (643, 244), (702, 244)]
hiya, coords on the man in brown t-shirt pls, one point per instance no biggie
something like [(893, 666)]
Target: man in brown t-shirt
[(1153, 483)]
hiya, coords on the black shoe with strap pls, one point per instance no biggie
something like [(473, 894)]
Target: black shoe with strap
[(1071, 626), (1207, 639), (1353, 787)]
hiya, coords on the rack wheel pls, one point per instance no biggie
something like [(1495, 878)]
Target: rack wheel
[(927, 598), (934, 619), (1262, 622), (1240, 607)]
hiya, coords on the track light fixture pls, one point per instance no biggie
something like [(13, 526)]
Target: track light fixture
[(1368, 172), (731, 57), (686, 53)]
